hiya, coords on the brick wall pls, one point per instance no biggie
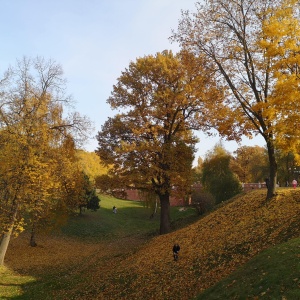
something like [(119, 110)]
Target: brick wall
[(253, 186), (132, 194)]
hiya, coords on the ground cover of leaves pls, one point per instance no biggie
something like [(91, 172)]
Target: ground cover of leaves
[(137, 268)]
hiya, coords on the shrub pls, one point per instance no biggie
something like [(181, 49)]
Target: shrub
[(202, 201)]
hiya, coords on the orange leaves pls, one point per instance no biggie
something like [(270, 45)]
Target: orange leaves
[(212, 247)]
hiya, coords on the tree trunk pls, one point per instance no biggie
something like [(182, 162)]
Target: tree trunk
[(32, 237), (165, 221), (5, 238), (154, 210), (273, 170)]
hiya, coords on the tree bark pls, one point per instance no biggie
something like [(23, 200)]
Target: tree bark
[(32, 237), (5, 238), (154, 210), (273, 169), (165, 221)]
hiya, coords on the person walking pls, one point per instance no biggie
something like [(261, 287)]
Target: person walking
[(176, 249)]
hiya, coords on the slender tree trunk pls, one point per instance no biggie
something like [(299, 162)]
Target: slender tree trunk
[(165, 221), (32, 237), (155, 208), (273, 170), (5, 238)]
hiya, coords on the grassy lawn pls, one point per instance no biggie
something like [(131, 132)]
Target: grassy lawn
[(132, 218)]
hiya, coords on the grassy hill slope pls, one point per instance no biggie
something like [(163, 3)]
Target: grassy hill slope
[(273, 274), (211, 249)]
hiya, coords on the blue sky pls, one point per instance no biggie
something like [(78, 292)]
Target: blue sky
[(94, 41)]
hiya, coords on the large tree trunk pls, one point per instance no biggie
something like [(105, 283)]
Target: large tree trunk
[(273, 170), (165, 221)]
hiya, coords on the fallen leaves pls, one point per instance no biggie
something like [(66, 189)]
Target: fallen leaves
[(211, 249)]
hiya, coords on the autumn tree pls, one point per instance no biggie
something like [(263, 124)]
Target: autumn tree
[(250, 163), (254, 46), (90, 164), (280, 40), (150, 143), (111, 184), (34, 125), (288, 168), (217, 177)]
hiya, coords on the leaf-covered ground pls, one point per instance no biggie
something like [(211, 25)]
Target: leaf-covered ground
[(136, 268)]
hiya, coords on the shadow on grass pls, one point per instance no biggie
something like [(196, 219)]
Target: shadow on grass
[(12, 284)]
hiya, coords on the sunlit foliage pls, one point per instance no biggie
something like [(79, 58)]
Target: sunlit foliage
[(37, 136), (251, 164), (90, 164), (254, 45), (150, 143)]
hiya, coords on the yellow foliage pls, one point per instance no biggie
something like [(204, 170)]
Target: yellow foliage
[(91, 164)]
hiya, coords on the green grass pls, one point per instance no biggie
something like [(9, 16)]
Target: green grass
[(11, 283), (273, 274), (132, 218)]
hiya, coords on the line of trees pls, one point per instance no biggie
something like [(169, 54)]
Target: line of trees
[(222, 173), (237, 72), (39, 174), (254, 47)]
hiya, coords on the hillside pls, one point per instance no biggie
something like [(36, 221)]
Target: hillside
[(211, 249), (272, 274)]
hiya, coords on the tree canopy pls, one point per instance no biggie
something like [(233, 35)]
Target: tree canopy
[(254, 47), (217, 176), (90, 164), (150, 144), (38, 137), (251, 164)]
